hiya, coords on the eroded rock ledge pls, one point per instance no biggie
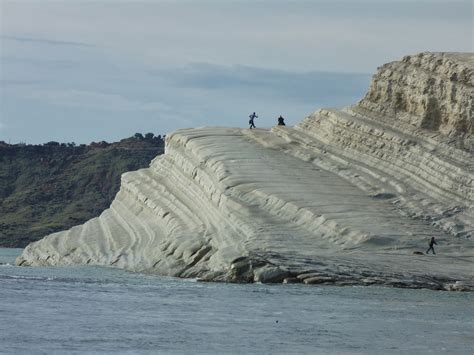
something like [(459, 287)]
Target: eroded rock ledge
[(433, 91), (344, 198)]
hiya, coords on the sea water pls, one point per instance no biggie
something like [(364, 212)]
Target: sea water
[(107, 310)]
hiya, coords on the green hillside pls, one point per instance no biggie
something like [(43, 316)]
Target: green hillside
[(52, 187)]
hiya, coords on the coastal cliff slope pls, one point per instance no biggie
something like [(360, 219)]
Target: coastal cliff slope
[(344, 197)]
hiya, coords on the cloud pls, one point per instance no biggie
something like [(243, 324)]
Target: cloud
[(46, 41), (5, 83), (96, 100), (296, 86), (310, 35)]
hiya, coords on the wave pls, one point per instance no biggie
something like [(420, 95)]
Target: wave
[(22, 277)]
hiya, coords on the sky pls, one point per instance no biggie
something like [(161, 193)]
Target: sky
[(82, 71)]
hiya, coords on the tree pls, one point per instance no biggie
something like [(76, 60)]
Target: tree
[(138, 136), (149, 136), (52, 144)]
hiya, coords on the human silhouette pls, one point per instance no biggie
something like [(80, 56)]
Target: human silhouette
[(251, 123), (432, 242), (281, 121)]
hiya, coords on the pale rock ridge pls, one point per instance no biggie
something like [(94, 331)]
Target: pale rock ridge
[(430, 90), (344, 197)]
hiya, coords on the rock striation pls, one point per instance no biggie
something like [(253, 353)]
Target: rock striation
[(428, 90), (345, 197)]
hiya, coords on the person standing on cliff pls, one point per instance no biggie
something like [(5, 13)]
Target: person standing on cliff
[(252, 117), (432, 242), (281, 121)]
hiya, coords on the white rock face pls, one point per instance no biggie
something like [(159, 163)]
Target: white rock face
[(344, 197), (428, 90)]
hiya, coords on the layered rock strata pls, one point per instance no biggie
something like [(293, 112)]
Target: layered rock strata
[(433, 91), (344, 197)]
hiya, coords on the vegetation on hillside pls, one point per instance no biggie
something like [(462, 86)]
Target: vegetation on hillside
[(51, 187)]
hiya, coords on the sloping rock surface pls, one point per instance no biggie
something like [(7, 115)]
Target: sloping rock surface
[(345, 197)]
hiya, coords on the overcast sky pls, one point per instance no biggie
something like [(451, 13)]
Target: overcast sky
[(82, 71)]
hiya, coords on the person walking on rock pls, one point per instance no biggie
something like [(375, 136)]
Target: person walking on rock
[(252, 117), (281, 121), (432, 242)]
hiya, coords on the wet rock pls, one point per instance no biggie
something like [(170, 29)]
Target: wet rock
[(304, 276), (367, 281), (319, 280), (291, 280), (459, 286), (270, 274), (243, 270)]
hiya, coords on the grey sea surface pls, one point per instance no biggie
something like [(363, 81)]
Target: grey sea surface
[(106, 310)]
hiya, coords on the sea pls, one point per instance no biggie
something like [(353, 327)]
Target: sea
[(98, 310)]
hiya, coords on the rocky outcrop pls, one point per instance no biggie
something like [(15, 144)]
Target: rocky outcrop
[(433, 91), (345, 197)]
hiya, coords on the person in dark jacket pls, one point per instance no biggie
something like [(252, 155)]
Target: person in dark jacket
[(281, 121), (432, 242), (252, 117)]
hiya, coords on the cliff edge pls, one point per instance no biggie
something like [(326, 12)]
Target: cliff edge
[(344, 197)]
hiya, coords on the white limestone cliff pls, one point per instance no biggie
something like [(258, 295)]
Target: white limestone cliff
[(344, 197)]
